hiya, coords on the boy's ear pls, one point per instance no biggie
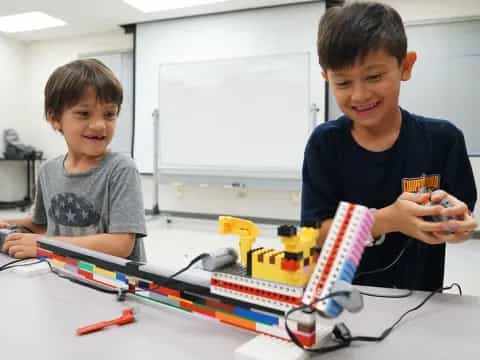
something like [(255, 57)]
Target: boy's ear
[(51, 118), (324, 75), (407, 65)]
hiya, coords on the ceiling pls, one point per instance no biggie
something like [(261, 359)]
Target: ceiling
[(95, 16)]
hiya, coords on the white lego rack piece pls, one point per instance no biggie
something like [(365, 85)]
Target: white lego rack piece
[(271, 287), (344, 245), (267, 347)]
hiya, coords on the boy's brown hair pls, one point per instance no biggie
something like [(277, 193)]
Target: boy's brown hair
[(67, 84), (347, 34)]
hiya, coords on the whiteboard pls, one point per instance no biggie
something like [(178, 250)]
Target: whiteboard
[(239, 116), (445, 82)]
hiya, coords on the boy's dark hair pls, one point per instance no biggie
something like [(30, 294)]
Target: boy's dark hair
[(346, 34), (66, 85)]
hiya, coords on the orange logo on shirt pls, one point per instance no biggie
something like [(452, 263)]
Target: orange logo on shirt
[(424, 183)]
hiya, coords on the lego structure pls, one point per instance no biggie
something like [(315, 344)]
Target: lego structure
[(254, 294)]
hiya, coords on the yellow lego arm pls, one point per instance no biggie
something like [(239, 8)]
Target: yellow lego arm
[(246, 229)]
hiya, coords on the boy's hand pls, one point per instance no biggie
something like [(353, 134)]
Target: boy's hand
[(462, 224), (20, 245), (406, 215), (4, 224)]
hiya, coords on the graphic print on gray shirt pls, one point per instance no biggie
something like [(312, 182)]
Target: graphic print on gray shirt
[(73, 215), (103, 200)]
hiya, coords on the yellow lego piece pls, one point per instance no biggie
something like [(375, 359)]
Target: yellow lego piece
[(246, 229), (272, 264), (106, 273)]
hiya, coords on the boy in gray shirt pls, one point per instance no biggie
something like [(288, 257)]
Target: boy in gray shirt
[(89, 197)]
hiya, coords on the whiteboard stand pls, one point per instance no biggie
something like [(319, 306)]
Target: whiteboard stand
[(314, 110), (204, 181), (156, 180)]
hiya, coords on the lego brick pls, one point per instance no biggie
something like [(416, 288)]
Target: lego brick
[(105, 273), (164, 290), (293, 255), (257, 317), (198, 309), (221, 306), (255, 300), (234, 320), (256, 292), (86, 266), (270, 286)]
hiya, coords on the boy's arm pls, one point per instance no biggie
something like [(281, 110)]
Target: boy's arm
[(117, 244), (22, 245), (380, 226), (405, 215)]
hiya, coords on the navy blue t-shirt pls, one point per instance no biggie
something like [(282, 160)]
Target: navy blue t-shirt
[(428, 154)]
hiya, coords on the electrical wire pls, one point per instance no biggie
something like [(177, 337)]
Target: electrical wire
[(406, 294), (342, 334), (117, 291), (193, 262), (388, 267), (16, 263)]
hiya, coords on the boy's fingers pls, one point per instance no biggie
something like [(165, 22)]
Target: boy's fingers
[(12, 250), (459, 209), (429, 238), (438, 195), (465, 226), (454, 238), (431, 227), (417, 198), (421, 210), (13, 237)]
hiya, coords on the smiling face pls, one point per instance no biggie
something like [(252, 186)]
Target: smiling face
[(88, 126), (367, 92)]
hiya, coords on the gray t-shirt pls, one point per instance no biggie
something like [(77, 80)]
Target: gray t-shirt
[(103, 200)]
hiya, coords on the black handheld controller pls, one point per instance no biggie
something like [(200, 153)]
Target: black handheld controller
[(439, 218), (4, 232)]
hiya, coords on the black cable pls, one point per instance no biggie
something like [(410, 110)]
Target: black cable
[(400, 296), (11, 264), (392, 264), (387, 331), (193, 262), (342, 334)]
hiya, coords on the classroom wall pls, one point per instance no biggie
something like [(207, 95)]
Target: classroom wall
[(12, 103), (42, 58)]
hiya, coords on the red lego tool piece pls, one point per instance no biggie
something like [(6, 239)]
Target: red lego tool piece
[(126, 318)]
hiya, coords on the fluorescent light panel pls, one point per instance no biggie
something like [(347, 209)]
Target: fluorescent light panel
[(162, 5), (34, 20)]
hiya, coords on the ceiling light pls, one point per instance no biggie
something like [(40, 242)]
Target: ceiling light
[(35, 20), (162, 5)]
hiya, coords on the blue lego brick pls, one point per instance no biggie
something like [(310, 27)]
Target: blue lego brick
[(121, 277), (333, 309), (348, 271), (257, 317)]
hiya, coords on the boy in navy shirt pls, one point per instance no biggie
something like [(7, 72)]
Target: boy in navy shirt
[(383, 157)]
